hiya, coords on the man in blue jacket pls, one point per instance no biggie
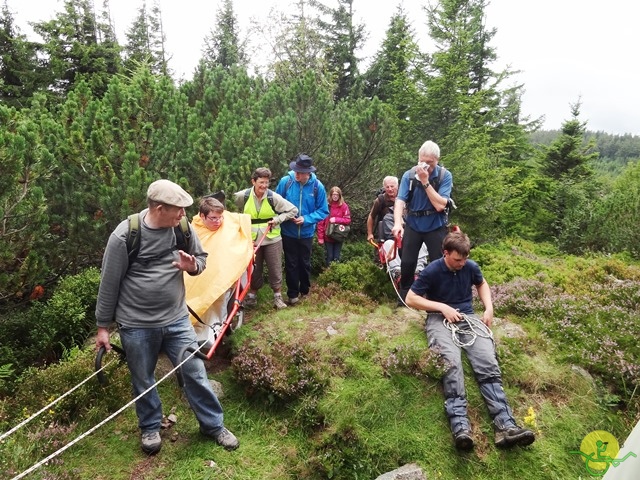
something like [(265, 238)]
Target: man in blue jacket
[(302, 188)]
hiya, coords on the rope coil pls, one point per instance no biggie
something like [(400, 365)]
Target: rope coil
[(475, 328)]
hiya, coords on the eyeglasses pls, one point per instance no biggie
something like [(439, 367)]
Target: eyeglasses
[(215, 219)]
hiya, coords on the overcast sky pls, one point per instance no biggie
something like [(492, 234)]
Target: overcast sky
[(566, 50)]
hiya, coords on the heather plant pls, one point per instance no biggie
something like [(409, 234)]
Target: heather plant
[(412, 359), (593, 331), (280, 371)]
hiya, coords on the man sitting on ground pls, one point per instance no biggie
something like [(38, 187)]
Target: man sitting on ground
[(444, 290)]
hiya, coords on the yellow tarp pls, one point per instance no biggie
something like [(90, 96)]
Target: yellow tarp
[(230, 250)]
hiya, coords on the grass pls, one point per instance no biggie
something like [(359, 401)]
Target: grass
[(368, 397)]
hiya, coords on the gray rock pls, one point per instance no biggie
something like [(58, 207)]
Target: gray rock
[(505, 328), (582, 372), (217, 388), (410, 471)]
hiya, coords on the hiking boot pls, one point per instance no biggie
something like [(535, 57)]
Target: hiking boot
[(395, 275), (151, 443), (508, 437), (463, 440), (250, 301), (293, 301), (278, 302), (226, 439)]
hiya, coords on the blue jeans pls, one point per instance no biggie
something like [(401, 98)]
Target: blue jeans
[(142, 347), (333, 251)]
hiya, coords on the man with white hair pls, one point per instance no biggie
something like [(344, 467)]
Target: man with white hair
[(380, 220), (424, 192), (382, 205)]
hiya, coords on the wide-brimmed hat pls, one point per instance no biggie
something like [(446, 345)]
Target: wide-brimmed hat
[(302, 164), (169, 193)]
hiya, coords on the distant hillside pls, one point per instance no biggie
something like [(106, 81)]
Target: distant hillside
[(616, 151)]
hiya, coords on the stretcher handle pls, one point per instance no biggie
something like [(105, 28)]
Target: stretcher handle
[(102, 378)]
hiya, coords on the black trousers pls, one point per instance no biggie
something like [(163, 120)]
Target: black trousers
[(411, 243), (297, 265)]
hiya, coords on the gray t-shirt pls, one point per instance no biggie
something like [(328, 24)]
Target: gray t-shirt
[(151, 292)]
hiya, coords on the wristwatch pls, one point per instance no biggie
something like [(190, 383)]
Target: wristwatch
[(426, 185)]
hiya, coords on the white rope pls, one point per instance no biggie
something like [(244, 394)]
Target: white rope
[(94, 428), (45, 408), (476, 328), (420, 313)]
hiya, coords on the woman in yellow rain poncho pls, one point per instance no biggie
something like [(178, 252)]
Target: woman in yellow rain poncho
[(226, 237)]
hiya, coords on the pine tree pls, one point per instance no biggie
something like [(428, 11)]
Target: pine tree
[(74, 49), (19, 70), (476, 123), (568, 157), (24, 221), (222, 46), (137, 49), (341, 39), (396, 76), (157, 42), (568, 167), (296, 44)]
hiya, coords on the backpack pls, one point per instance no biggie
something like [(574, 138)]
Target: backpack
[(182, 232), (385, 223)]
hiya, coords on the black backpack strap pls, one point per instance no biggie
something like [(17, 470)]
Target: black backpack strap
[(183, 235), (412, 185), (438, 181), (270, 200), (133, 237)]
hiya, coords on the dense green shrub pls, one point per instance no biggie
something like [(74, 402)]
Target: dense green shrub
[(42, 333), (357, 251), (359, 276), (40, 386)]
